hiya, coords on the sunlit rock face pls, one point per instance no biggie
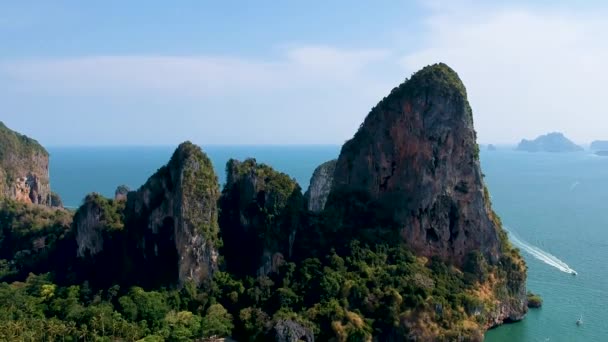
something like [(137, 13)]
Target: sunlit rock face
[(320, 186), (415, 157), (416, 153), (24, 168)]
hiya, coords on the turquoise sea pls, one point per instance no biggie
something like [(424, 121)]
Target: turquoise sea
[(555, 204)]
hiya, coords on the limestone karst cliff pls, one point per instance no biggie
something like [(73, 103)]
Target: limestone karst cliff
[(24, 168), (415, 159), (166, 232), (260, 217), (416, 155), (320, 186)]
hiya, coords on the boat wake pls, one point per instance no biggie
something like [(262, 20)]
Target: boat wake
[(539, 254), (574, 185)]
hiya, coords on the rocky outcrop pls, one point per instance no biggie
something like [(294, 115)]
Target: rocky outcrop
[(290, 331), (599, 145), (552, 142), (416, 155), (511, 308), (56, 201), (260, 216), (166, 232), (121, 193), (175, 215), (24, 168), (534, 301), (320, 186), (89, 226), (96, 218), (416, 160)]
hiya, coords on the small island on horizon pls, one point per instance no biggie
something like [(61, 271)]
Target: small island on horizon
[(600, 147), (555, 142)]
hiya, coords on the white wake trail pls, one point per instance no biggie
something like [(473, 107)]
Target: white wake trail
[(539, 254), (574, 185)]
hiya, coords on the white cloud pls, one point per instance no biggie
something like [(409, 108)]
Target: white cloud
[(191, 75), (308, 94), (527, 71)]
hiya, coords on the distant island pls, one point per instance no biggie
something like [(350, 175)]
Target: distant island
[(552, 142), (491, 147), (602, 153), (599, 145)]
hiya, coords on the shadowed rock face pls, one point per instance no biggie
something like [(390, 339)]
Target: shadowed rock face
[(416, 155), (165, 232), (290, 331), (260, 216), (176, 212), (24, 168), (121, 192), (90, 226), (320, 186)]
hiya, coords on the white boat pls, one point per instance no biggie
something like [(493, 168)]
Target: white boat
[(573, 272), (579, 321)]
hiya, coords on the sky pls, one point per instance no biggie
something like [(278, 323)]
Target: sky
[(292, 72)]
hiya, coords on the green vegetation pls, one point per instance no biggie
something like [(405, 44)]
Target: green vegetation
[(439, 78), (15, 150), (200, 188), (433, 80), (534, 300), (17, 143), (346, 277), (38, 310), (368, 291), (29, 237), (260, 209), (277, 183), (111, 212)]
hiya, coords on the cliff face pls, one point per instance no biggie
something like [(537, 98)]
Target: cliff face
[(416, 158), (552, 142), (260, 216), (165, 232), (320, 186), (179, 202), (416, 154), (24, 168)]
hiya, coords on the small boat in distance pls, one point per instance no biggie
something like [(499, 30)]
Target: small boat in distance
[(579, 321), (573, 272)]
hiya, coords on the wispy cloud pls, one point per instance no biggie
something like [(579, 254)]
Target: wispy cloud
[(528, 70), (191, 75), (306, 94)]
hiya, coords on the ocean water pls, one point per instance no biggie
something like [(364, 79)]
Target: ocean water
[(556, 205), (559, 204), (77, 171)]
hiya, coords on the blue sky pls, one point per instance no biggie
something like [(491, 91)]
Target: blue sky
[(148, 73)]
